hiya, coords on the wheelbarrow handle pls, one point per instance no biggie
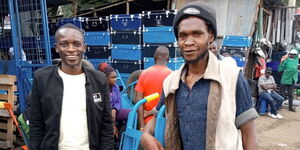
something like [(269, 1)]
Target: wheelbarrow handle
[(152, 97), (133, 113), (148, 98)]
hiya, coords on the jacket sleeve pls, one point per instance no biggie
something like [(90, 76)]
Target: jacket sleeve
[(281, 66), (37, 128), (118, 99), (106, 134)]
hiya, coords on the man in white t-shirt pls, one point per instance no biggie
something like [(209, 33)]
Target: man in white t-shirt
[(70, 105)]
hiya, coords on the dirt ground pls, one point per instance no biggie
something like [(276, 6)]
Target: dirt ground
[(279, 134)]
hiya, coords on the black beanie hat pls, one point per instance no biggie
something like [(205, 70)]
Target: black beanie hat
[(197, 9)]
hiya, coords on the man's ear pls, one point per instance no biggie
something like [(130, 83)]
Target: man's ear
[(85, 47), (55, 46), (211, 38)]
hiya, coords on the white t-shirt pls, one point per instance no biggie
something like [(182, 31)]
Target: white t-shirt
[(230, 61), (73, 122)]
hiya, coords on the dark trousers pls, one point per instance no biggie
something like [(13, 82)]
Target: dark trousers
[(288, 91)]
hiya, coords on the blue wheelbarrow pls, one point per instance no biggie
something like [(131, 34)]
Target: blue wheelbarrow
[(131, 137), (159, 132)]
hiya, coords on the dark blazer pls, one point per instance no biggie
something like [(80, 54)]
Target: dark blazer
[(46, 106)]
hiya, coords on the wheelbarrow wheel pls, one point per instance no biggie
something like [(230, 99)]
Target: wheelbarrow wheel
[(134, 76)]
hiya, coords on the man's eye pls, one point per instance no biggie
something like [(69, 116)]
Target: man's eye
[(77, 44), (63, 44), (197, 34), (182, 35)]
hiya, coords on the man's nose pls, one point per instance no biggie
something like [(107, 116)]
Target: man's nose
[(71, 48), (189, 41)]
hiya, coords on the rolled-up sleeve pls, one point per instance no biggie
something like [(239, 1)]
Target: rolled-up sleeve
[(244, 105)]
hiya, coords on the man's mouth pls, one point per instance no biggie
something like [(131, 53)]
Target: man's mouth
[(71, 57), (188, 52)]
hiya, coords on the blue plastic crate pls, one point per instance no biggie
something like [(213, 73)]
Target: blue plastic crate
[(240, 61), (126, 52), (121, 22), (96, 62), (148, 62), (126, 66), (126, 37), (174, 63), (237, 41), (98, 52), (96, 24), (77, 21), (158, 18), (149, 49), (52, 41), (159, 35), (97, 38)]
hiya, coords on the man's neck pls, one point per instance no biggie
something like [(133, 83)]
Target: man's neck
[(196, 72), (199, 67), (72, 71), (161, 63)]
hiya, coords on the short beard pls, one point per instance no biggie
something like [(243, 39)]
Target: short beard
[(194, 61)]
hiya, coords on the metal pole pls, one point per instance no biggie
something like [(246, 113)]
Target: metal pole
[(15, 39), (46, 32), (14, 31)]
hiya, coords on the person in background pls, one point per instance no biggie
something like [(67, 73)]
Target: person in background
[(289, 66), (266, 88), (150, 81), (70, 105), (208, 103), (260, 63), (226, 57), (119, 115), (213, 47)]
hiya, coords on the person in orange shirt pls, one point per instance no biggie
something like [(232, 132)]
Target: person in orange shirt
[(150, 81)]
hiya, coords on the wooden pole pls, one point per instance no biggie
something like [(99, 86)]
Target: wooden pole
[(127, 7)]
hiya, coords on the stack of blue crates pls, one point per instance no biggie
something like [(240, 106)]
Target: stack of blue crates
[(126, 42), (97, 38), (236, 46), (158, 31)]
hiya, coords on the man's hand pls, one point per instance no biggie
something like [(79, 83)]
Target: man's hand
[(147, 113), (283, 58), (274, 86), (150, 143), (116, 132)]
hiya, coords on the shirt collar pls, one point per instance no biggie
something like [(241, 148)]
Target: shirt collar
[(211, 72)]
